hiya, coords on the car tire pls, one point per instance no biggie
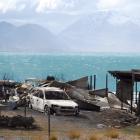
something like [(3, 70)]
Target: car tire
[(46, 110), (77, 112), (30, 106)]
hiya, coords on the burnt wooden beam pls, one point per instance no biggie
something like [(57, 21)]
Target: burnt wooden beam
[(138, 105), (133, 79), (136, 92), (94, 82), (91, 82), (106, 85)]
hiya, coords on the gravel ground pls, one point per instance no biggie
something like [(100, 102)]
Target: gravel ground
[(88, 122)]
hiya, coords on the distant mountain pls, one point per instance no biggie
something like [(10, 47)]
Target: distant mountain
[(96, 32), (28, 38)]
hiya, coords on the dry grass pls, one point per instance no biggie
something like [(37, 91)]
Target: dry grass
[(138, 132), (112, 133), (94, 137), (54, 137), (38, 137), (74, 134)]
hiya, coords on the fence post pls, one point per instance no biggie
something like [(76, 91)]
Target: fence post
[(25, 111), (25, 108), (49, 124), (106, 85)]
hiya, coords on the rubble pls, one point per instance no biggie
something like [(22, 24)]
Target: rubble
[(81, 96), (107, 104), (91, 100), (114, 102), (117, 118), (16, 121), (101, 126), (6, 88), (95, 100)]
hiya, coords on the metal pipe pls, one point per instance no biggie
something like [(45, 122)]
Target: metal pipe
[(94, 82), (106, 85), (91, 82)]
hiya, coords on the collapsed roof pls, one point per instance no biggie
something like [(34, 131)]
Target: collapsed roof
[(127, 75)]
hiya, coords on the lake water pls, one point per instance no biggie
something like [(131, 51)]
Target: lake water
[(66, 66)]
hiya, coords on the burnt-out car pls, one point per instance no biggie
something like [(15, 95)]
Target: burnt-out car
[(52, 99)]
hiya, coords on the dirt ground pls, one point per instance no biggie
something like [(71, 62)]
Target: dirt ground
[(87, 123)]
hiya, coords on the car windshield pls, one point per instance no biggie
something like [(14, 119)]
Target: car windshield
[(56, 95)]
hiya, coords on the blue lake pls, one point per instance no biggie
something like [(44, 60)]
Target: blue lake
[(66, 66)]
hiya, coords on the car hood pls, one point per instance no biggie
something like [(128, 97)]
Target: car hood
[(62, 103)]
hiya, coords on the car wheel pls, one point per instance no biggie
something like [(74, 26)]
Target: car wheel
[(30, 106), (77, 112), (46, 110)]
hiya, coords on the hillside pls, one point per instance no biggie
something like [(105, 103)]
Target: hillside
[(29, 37), (96, 32)]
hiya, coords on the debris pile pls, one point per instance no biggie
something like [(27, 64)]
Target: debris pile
[(91, 100), (77, 90), (7, 88), (16, 121), (116, 118)]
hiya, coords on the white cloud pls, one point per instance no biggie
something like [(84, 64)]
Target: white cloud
[(132, 9), (11, 5), (50, 4), (21, 7), (47, 4), (118, 19), (44, 5), (127, 7), (7, 5), (127, 10), (110, 4)]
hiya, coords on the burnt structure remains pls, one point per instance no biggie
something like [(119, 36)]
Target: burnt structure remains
[(127, 87)]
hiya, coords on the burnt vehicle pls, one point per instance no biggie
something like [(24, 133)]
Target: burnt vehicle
[(52, 99)]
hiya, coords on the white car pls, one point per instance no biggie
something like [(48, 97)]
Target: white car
[(55, 99)]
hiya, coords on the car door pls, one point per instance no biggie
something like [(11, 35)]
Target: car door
[(34, 99), (40, 101)]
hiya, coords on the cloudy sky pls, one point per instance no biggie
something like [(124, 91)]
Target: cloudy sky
[(58, 14)]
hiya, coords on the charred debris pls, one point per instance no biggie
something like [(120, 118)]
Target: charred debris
[(83, 91)]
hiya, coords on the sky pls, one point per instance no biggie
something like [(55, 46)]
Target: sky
[(58, 14)]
